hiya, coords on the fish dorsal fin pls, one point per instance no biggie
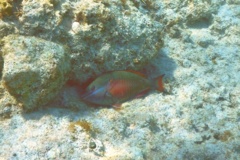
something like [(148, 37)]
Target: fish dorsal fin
[(136, 72)]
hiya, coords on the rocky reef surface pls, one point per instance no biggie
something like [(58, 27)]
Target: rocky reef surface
[(195, 43)]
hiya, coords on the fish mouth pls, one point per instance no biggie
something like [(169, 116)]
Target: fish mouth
[(86, 95), (97, 93)]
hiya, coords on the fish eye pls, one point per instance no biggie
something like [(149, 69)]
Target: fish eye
[(92, 88), (108, 94)]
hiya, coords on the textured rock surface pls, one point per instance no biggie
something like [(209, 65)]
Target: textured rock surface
[(6, 29), (113, 32), (198, 117), (5, 8), (37, 18), (96, 32), (34, 69)]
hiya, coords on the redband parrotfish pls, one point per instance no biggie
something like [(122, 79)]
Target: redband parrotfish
[(116, 87)]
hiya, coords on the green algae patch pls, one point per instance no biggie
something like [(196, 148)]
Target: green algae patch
[(85, 125)]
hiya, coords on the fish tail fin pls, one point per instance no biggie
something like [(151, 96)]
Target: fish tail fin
[(158, 83)]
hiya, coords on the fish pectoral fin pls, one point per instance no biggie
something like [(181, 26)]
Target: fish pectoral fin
[(142, 93), (117, 106)]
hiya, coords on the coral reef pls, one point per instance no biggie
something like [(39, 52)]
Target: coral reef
[(195, 43)]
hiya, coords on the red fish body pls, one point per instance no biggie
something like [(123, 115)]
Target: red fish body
[(117, 87)]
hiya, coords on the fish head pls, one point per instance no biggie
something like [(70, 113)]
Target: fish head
[(97, 95)]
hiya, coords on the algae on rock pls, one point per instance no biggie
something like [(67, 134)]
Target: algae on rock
[(34, 69)]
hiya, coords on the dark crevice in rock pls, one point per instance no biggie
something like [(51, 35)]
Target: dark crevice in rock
[(203, 22)]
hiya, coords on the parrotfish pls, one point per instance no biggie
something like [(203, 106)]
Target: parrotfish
[(116, 87)]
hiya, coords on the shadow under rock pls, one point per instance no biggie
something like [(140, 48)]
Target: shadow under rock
[(68, 104), (162, 64), (59, 113)]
